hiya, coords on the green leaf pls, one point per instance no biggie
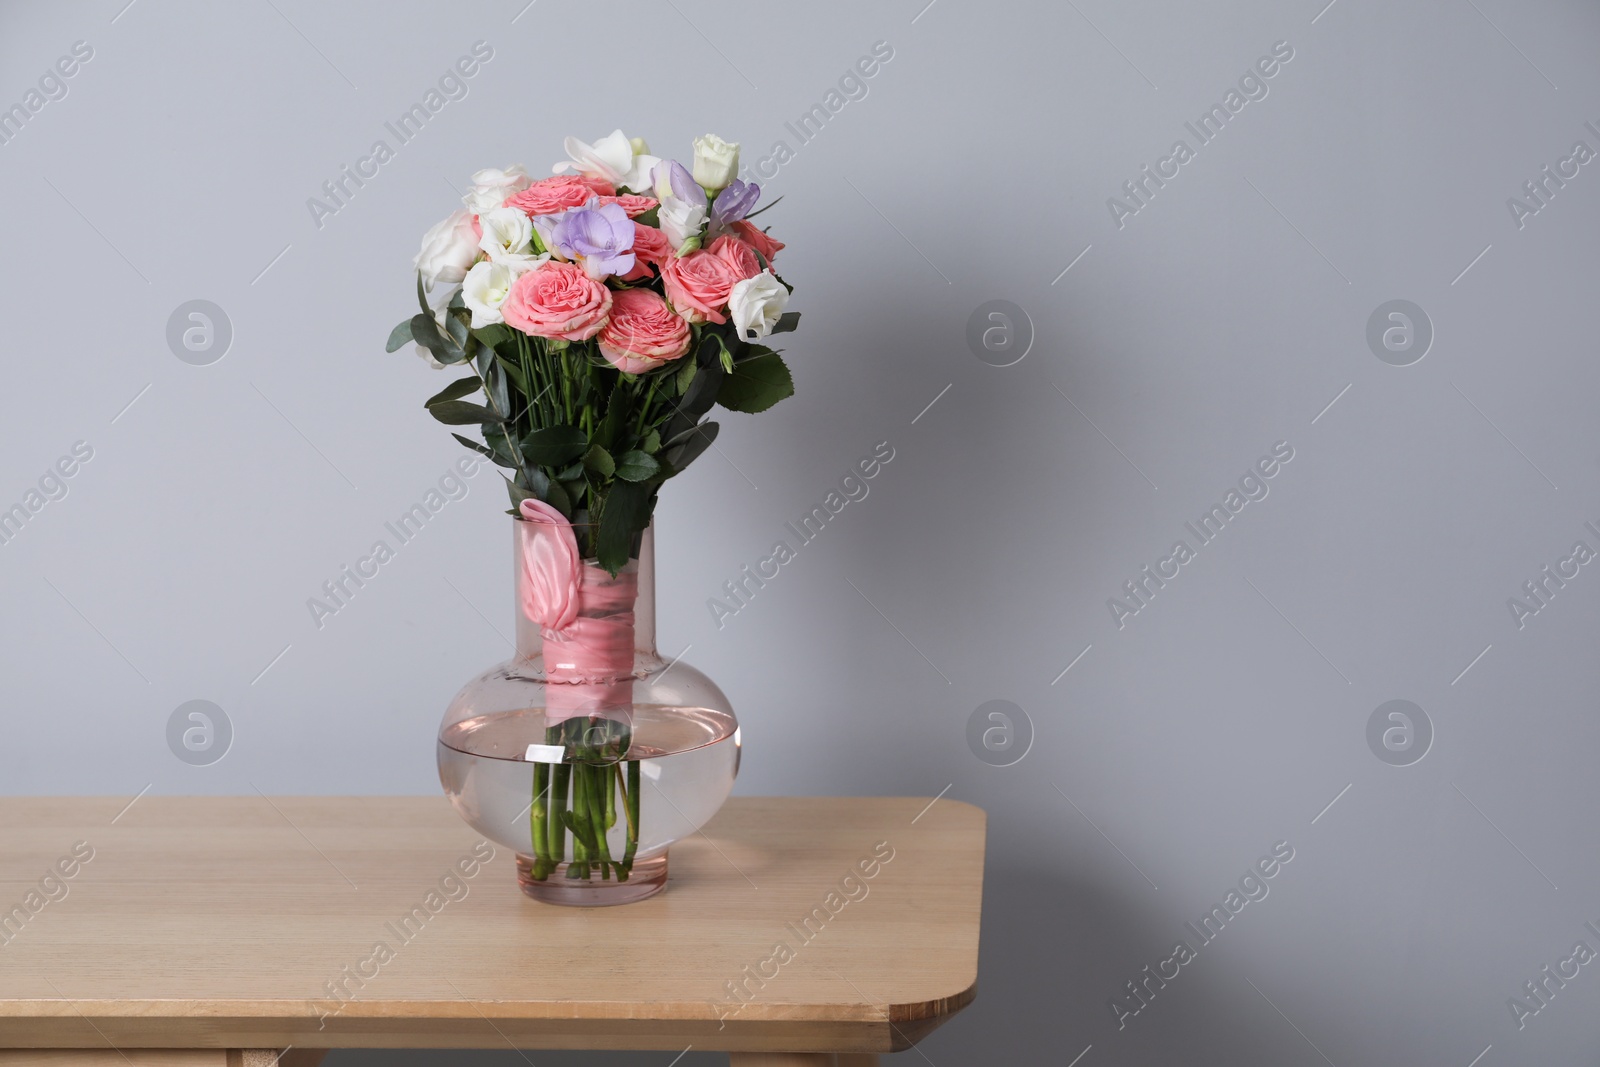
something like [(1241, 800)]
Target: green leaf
[(599, 460), (627, 511), (636, 466), (518, 494), (557, 497), (756, 384), (697, 400), (616, 417), (426, 333), (399, 336), (554, 446), (652, 442), (485, 450), (513, 372), (454, 391), (769, 207), (494, 335), (687, 447), (788, 322), (457, 329), (499, 398), (686, 375), (422, 295), (461, 413)]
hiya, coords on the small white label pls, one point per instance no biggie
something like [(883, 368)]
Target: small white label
[(652, 769), (545, 754)]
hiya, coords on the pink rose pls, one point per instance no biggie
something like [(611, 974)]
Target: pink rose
[(550, 196), (650, 249), (557, 300), (756, 238), (597, 185), (633, 205), (550, 568), (740, 256), (642, 332), (698, 285)]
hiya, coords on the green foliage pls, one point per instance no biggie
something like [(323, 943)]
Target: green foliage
[(756, 382), (570, 430)]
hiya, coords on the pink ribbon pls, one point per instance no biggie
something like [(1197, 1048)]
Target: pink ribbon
[(585, 616)]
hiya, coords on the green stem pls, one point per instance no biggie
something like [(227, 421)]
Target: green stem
[(537, 818), (633, 815), (557, 820), (598, 779)]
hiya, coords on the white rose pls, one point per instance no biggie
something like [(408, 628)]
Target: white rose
[(716, 162), (613, 158), (755, 305), (447, 251), (491, 187), (508, 238), (681, 221), (485, 289)]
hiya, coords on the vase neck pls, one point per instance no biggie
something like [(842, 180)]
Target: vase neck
[(530, 642)]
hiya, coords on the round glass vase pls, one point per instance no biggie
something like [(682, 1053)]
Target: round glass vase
[(585, 765)]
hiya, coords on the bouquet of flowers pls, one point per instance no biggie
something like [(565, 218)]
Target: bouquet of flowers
[(601, 313)]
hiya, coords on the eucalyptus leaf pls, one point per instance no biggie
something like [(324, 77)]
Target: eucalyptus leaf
[(461, 413), (518, 494), (483, 450), (399, 337), (788, 322), (454, 391)]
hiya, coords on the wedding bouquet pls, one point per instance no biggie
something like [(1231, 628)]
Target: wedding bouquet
[(601, 312)]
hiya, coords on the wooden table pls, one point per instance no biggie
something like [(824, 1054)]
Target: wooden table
[(190, 931)]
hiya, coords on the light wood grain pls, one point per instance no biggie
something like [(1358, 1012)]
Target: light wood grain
[(225, 922), (134, 1057)]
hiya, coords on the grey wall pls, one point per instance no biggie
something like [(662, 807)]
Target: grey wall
[(1222, 317)]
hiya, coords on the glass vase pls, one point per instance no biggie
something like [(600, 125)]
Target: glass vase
[(586, 753)]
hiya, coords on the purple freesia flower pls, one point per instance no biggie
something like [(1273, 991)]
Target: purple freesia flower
[(733, 204), (684, 187), (600, 237)]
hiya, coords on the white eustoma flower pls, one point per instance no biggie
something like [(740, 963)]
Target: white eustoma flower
[(681, 221), (491, 187), (508, 238), (755, 305), (716, 162), (613, 158), (485, 288), (448, 249)]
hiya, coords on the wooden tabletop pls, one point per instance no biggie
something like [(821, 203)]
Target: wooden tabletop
[(794, 924)]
